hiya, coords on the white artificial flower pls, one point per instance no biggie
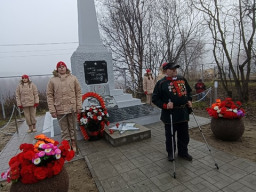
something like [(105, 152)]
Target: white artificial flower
[(107, 115), (57, 156), (37, 161), (99, 118), (89, 114), (87, 108), (216, 108), (95, 111), (235, 110), (41, 145), (218, 111), (83, 121)]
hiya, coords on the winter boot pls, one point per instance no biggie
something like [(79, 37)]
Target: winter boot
[(34, 128), (30, 129)]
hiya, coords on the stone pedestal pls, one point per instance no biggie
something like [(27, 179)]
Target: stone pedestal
[(56, 183), (117, 139), (227, 129)]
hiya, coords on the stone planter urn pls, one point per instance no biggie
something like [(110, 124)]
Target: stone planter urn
[(57, 183), (227, 129)]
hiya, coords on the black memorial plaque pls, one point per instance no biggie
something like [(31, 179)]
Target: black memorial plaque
[(95, 72)]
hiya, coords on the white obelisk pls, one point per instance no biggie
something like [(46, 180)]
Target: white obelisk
[(88, 31), (91, 63)]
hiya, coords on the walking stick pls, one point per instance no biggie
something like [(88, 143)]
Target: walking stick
[(204, 139), (172, 134)]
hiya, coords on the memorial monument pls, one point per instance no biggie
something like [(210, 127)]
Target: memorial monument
[(92, 64)]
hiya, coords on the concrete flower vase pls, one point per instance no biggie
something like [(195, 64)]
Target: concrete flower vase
[(57, 183), (227, 129)]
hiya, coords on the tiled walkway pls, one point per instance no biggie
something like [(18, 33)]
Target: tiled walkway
[(143, 166)]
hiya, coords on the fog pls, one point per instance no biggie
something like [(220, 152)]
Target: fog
[(8, 85)]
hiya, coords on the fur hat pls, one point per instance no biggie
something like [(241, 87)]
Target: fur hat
[(60, 63), (170, 65), (148, 70), (25, 76)]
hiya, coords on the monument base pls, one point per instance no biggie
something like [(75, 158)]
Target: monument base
[(113, 97), (117, 139)]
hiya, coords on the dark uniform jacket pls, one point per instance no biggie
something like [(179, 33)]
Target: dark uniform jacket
[(179, 92)]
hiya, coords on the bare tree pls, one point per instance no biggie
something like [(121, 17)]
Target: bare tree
[(178, 27), (127, 27), (232, 26)]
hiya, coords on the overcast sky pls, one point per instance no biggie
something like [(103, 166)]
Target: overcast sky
[(36, 34)]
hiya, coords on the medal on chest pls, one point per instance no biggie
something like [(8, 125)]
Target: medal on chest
[(177, 87)]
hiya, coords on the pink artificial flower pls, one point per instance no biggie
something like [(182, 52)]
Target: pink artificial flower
[(41, 154), (57, 151)]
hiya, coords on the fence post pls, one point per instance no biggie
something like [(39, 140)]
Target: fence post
[(211, 97), (215, 89), (2, 104)]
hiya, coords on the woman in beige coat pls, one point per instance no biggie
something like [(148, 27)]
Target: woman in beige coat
[(63, 97), (27, 99), (148, 86), (161, 73)]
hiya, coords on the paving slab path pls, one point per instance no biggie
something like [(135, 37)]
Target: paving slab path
[(143, 166)]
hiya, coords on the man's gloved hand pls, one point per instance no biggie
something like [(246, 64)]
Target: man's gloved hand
[(36, 104), (146, 92), (21, 107)]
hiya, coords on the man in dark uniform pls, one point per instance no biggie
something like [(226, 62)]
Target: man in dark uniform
[(173, 95)]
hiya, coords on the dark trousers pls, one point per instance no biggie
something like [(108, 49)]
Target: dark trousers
[(182, 137)]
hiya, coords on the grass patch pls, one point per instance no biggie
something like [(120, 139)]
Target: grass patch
[(200, 105)]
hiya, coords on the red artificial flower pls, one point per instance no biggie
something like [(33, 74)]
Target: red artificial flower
[(28, 179), (40, 173), (49, 172), (29, 155), (223, 110), (226, 109), (27, 169), (94, 118), (22, 167), (70, 155), (13, 160), (65, 144), (239, 103), (26, 147), (58, 166)]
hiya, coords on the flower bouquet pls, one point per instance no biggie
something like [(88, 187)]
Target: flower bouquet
[(37, 162), (92, 119), (227, 109), (226, 123)]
